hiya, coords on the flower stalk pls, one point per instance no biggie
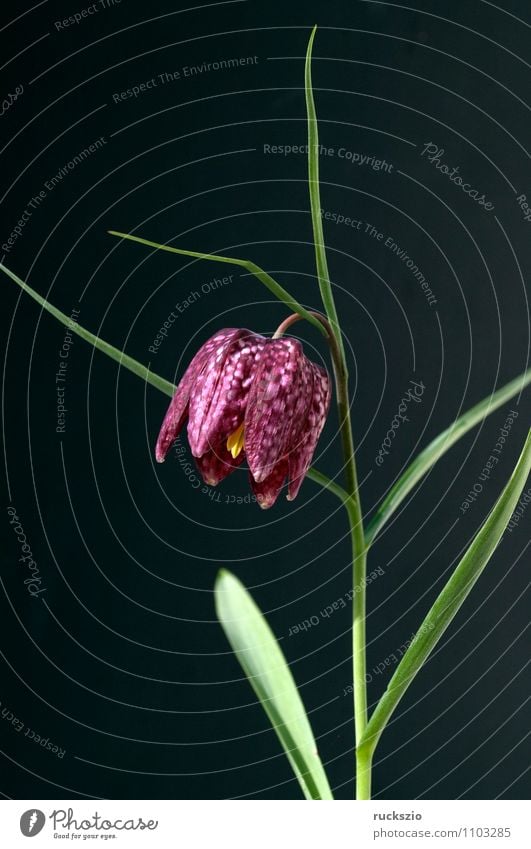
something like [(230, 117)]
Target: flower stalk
[(353, 505)]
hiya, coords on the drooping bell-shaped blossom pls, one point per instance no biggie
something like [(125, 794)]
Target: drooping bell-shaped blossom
[(250, 397)]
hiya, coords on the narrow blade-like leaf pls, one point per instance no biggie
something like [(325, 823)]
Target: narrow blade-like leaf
[(324, 481), (440, 445), (450, 598), (265, 278), (112, 352), (315, 200), (264, 664)]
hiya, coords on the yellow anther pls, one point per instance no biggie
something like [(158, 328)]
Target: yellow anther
[(235, 441)]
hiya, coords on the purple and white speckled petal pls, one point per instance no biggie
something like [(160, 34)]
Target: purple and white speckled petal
[(278, 405), (219, 396), (268, 385), (301, 457), (177, 412), (267, 491), (217, 463)]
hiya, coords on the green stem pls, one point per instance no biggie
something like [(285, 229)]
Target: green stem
[(359, 569), (363, 772), (353, 505)]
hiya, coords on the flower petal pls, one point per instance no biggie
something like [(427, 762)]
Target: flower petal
[(277, 406), (267, 491), (177, 412), (217, 463), (301, 455), (219, 396)]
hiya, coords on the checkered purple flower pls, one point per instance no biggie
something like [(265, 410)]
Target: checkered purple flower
[(249, 397)]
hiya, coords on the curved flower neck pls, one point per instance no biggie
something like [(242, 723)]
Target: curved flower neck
[(339, 365)]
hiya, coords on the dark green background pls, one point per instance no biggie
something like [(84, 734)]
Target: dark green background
[(121, 661)]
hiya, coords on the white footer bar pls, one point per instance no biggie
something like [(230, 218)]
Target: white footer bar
[(265, 825)]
